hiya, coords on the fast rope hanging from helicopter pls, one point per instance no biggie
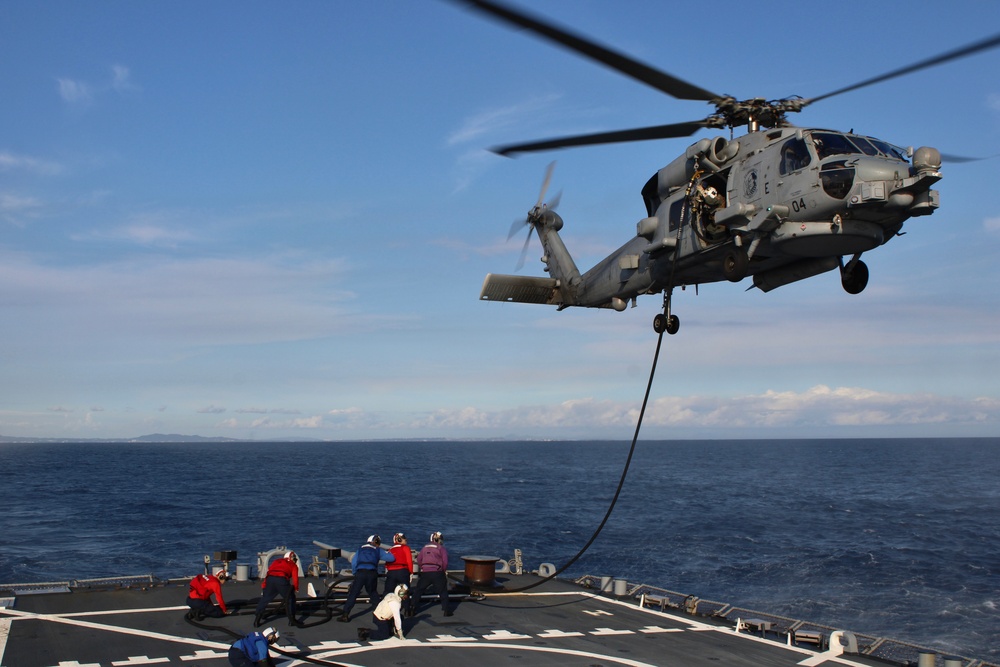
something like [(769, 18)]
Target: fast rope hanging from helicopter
[(667, 295)]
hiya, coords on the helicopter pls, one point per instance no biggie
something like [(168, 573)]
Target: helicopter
[(778, 204)]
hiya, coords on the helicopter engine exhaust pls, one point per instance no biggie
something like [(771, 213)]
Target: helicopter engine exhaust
[(800, 270), (707, 154)]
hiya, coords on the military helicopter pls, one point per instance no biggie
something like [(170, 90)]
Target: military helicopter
[(780, 203)]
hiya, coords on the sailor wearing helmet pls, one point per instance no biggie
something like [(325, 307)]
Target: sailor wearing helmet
[(399, 571), (387, 613), (200, 592), (252, 650), (433, 563), (282, 579), (364, 565)]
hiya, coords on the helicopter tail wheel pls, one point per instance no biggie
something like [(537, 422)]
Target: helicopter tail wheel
[(855, 280), (669, 323), (734, 264)]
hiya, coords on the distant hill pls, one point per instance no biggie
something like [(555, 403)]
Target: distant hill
[(175, 437), (153, 437)]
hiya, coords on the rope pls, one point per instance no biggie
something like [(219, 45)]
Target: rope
[(668, 291), (621, 482)]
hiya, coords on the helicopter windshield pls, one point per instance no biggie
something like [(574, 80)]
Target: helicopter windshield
[(834, 143)]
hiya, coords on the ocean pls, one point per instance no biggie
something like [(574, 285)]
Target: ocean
[(896, 538)]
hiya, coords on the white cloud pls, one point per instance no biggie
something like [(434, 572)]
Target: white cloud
[(818, 407), (82, 93), (15, 162), (121, 79), (152, 235), (75, 92), (491, 121), (191, 302), (991, 225), (15, 209)]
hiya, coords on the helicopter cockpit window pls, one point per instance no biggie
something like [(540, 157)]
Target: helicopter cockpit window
[(830, 143), (888, 149), (865, 145), (794, 156)]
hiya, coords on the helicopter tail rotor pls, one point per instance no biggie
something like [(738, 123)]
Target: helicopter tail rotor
[(535, 215)]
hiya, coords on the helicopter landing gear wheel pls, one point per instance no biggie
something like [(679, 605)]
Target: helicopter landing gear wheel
[(671, 324), (856, 279), (734, 264)]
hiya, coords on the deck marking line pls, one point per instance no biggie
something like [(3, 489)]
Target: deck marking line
[(204, 655), (602, 632), (653, 629), (598, 612), (389, 644), (451, 638), (75, 614), (697, 626), (74, 663), (4, 633), (55, 618), (556, 634), (504, 634), (138, 660), (820, 658), (331, 644)]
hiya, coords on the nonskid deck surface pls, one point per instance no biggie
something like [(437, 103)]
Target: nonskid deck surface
[(558, 623)]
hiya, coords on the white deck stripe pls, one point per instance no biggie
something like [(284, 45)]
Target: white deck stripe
[(55, 618), (409, 643), (4, 633)]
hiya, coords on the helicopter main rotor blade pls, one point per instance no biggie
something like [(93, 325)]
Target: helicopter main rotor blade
[(961, 52), (651, 76), (961, 159), (545, 183), (670, 131)]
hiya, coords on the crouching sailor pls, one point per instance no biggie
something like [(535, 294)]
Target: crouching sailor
[(387, 613), (252, 650), (202, 588)]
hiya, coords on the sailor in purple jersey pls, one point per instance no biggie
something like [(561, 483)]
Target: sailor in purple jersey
[(433, 562)]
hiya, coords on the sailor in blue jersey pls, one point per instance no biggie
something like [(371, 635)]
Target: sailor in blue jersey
[(252, 650), (364, 565)]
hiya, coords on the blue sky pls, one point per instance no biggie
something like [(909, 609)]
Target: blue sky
[(269, 220)]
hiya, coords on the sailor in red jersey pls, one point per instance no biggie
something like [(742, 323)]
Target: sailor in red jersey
[(399, 571), (202, 588), (282, 579)]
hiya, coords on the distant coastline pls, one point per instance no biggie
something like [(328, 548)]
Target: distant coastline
[(177, 438), (154, 437)]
